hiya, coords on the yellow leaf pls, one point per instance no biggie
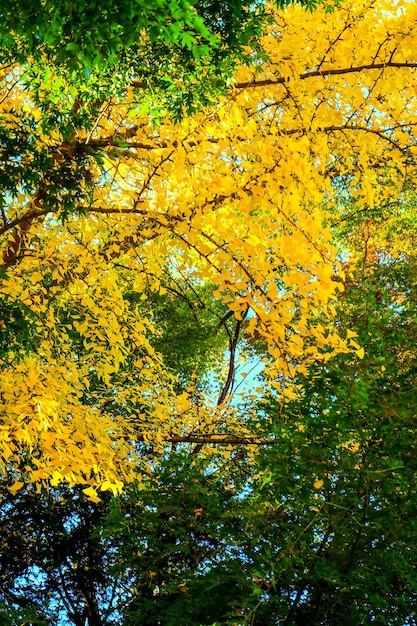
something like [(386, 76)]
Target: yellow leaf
[(16, 486), (115, 488), (91, 493)]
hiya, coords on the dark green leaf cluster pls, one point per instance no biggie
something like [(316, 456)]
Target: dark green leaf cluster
[(190, 338), (17, 138), (59, 180), (175, 540), (17, 328), (147, 557)]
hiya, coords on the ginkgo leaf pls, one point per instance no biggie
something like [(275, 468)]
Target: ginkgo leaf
[(91, 493), (16, 486)]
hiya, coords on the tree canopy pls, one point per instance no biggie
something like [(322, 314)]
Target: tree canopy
[(183, 52), (207, 320), (101, 208)]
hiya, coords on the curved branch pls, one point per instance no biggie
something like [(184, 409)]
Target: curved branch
[(233, 340)]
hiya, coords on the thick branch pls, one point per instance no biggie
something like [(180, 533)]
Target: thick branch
[(21, 226), (219, 439), (18, 221), (121, 142), (330, 72), (137, 84)]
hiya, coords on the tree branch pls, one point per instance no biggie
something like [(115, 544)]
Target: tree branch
[(22, 225), (219, 439), (281, 80)]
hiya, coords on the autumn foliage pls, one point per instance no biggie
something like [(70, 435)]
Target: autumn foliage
[(107, 209)]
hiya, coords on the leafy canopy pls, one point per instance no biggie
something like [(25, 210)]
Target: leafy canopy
[(101, 209), (185, 52), (141, 264)]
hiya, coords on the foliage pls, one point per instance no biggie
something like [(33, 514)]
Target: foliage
[(191, 330), (319, 529), (103, 212), (340, 484), (141, 264), (17, 328), (184, 51), (130, 560)]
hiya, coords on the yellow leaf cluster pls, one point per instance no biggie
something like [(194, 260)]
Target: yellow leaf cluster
[(239, 196)]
